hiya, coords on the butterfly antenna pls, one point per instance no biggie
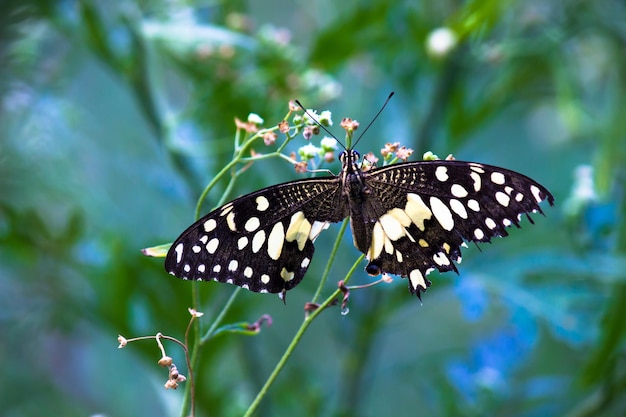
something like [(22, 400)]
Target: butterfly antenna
[(318, 123), (374, 119)]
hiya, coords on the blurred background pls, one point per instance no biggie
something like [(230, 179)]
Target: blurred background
[(115, 115)]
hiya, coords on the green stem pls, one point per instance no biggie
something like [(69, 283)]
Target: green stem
[(294, 342), (209, 334), (329, 264)]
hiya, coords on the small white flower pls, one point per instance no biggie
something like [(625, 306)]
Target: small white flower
[(441, 42), (255, 118), (325, 118), (309, 151), (328, 144)]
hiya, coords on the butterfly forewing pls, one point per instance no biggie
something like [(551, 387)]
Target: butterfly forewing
[(262, 241)]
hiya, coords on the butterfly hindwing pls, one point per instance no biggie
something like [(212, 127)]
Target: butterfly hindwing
[(262, 241)]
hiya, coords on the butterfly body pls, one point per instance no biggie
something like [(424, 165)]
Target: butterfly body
[(407, 218)]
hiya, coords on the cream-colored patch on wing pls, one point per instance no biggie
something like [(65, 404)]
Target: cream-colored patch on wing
[(399, 256), (378, 242), (423, 243), (442, 213), (490, 223), (275, 241), (233, 265), (230, 221), (265, 279), (226, 209), (286, 275), (417, 210), (258, 240), (262, 203), (477, 181), (298, 230), (477, 167), (417, 279), (392, 227), (388, 246)]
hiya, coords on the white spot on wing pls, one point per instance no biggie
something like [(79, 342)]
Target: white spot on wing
[(252, 224), (211, 247), (417, 279), (316, 229), (477, 181), (298, 230), (441, 259), (201, 268), (503, 199), (196, 249), (479, 234), (378, 242), (458, 208), (242, 242), (179, 252), (258, 240), (305, 263), (536, 192), (490, 223), (457, 190), (265, 279), (262, 203), (210, 225), (473, 204), (417, 210), (275, 241), (247, 272), (441, 173), (230, 221), (498, 178), (233, 265), (442, 213)]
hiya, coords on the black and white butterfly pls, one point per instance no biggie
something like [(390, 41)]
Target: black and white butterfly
[(407, 218)]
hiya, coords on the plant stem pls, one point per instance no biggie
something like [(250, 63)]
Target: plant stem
[(294, 342)]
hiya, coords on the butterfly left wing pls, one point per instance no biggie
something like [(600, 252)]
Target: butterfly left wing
[(261, 241), (421, 212)]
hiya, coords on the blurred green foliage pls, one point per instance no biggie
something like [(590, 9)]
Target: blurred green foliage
[(115, 115)]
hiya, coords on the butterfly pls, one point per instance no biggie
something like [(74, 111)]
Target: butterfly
[(407, 218)]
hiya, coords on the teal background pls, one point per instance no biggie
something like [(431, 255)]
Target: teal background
[(115, 115)]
